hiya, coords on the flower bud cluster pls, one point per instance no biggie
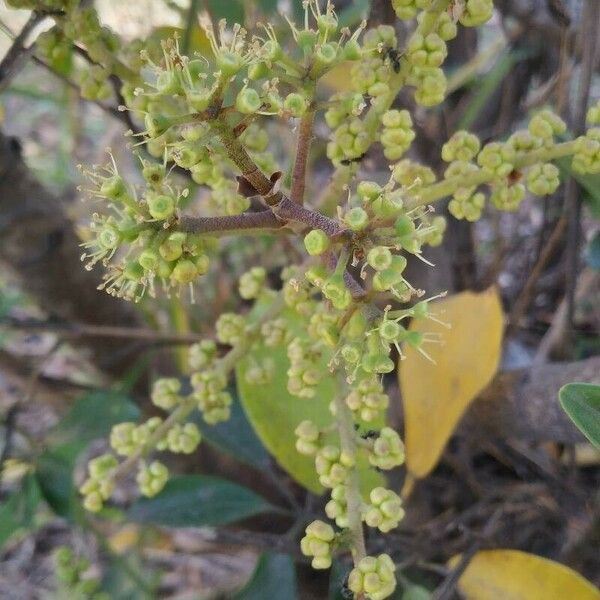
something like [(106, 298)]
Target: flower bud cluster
[(260, 372), (210, 393), (337, 508), (309, 437), (318, 543), (397, 133), (367, 400), (387, 450), (151, 478), (587, 155), (385, 510), (305, 371), (373, 577), (71, 573), (181, 438), (100, 484), (332, 466), (275, 332), (230, 328), (137, 232)]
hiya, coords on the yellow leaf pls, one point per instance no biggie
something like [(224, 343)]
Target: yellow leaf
[(435, 396), (124, 539), (516, 575)]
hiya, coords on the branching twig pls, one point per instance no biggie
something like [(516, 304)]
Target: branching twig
[(17, 54)]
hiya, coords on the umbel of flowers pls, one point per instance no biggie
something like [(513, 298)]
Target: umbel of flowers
[(208, 116)]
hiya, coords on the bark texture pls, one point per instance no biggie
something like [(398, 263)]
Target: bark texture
[(523, 404), (39, 244)]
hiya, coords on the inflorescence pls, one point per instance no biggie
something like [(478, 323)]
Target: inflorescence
[(357, 256)]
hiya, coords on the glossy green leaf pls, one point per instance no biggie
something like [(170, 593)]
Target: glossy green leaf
[(338, 575), (275, 413), (235, 437), (590, 183), (125, 578), (416, 592), (274, 577), (17, 512), (197, 500), (581, 401), (54, 473), (232, 10)]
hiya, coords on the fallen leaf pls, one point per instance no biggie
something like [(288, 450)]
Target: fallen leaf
[(435, 395), (516, 575)]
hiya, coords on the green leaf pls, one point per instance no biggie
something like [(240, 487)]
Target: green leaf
[(92, 417), (54, 473), (126, 579), (338, 576), (18, 511), (592, 253), (232, 10), (581, 401), (275, 413), (589, 183), (274, 577), (416, 592), (354, 13), (235, 437), (197, 500)]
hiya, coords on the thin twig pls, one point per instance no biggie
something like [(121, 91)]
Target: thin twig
[(526, 294), (17, 54), (445, 590), (77, 330), (590, 24)]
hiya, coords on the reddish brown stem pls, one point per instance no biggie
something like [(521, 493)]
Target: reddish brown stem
[(301, 162), (264, 219)]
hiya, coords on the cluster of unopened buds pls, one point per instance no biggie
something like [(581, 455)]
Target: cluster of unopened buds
[(206, 117)]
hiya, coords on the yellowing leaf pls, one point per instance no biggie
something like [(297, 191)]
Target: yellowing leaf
[(516, 575), (275, 414), (435, 396)]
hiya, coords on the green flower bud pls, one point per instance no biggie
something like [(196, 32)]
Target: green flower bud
[(317, 543), (231, 328), (476, 12), (152, 478), (252, 283), (356, 218), (166, 393), (184, 271), (379, 258), (388, 450), (308, 438), (543, 179), (295, 104), (373, 577), (161, 207), (316, 242), (248, 101)]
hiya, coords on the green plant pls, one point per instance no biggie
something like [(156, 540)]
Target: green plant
[(209, 116)]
